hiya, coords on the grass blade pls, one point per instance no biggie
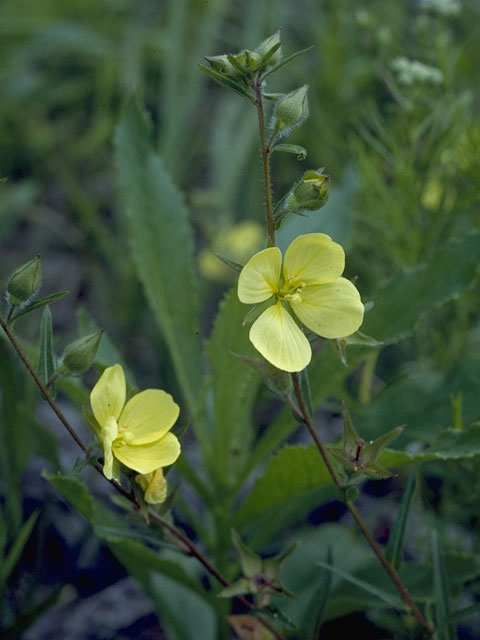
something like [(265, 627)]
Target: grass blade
[(384, 596), (395, 542), (317, 608), (442, 593)]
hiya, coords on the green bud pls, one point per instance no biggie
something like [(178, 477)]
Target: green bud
[(24, 282), (310, 193), (79, 355), (221, 64), (238, 66), (291, 111), (265, 48)]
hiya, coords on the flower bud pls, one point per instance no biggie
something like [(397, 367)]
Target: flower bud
[(221, 64), (266, 46), (79, 355), (24, 282), (154, 485), (291, 110), (238, 66), (310, 193)]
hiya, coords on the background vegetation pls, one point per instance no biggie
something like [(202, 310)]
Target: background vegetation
[(402, 145)]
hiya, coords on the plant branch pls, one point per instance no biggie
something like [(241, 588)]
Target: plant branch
[(407, 598), (178, 537), (21, 354), (265, 151)]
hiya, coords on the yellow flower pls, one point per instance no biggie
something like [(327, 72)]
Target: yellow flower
[(135, 433), (154, 486), (310, 287)]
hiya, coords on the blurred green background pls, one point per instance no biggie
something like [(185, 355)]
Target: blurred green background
[(394, 100)]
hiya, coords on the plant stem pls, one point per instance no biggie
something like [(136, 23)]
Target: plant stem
[(41, 386), (52, 379), (265, 151), (354, 511), (179, 538), (10, 313)]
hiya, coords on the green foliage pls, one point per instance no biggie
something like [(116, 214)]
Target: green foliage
[(161, 243), (47, 362), (12, 557), (403, 302), (393, 94), (233, 387), (38, 304), (397, 536)]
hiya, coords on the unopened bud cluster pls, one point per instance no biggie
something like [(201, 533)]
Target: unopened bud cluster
[(245, 65)]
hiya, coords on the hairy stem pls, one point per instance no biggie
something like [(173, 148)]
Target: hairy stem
[(407, 598), (265, 151), (177, 536)]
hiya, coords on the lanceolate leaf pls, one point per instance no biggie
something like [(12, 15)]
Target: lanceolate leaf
[(300, 152), (233, 386), (395, 542), (46, 360), (37, 304), (319, 601), (412, 294), (442, 593), (382, 595), (17, 547), (162, 246)]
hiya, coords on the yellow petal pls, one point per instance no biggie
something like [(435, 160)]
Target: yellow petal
[(108, 435), (280, 341), (145, 458), (148, 416), (314, 259), (154, 485), (332, 310), (108, 395), (259, 277)]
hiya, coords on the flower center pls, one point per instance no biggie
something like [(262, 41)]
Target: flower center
[(291, 291), (125, 435)]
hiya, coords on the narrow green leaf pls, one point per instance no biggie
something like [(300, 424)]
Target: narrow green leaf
[(228, 262), (300, 152), (162, 246), (226, 82), (17, 547), (47, 364), (287, 61), (397, 536), (16, 445), (37, 304), (405, 300), (442, 593), (384, 596), (459, 615), (317, 608)]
